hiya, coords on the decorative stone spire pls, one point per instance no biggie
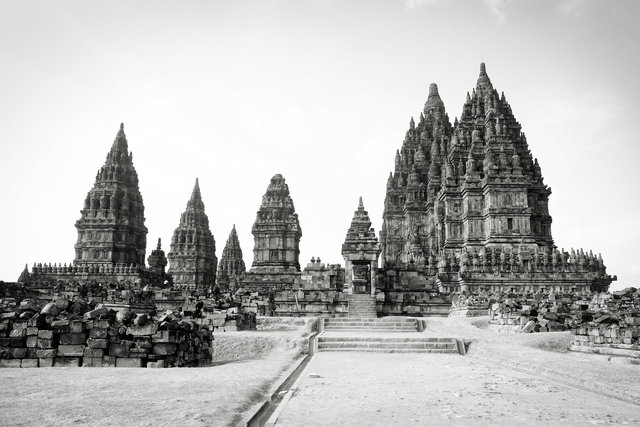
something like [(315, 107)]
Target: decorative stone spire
[(433, 101), (111, 228), (192, 257), (231, 265), (276, 231), (25, 275), (484, 83)]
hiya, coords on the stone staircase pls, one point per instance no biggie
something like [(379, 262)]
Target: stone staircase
[(362, 305), (383, 324), (388, 344)]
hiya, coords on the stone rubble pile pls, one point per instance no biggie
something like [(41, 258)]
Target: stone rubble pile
[(74, 333), (536, 313), (613, 322)]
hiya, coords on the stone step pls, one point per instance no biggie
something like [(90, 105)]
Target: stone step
[(390, 350), (434, 340), (370, 319), (389, 345)]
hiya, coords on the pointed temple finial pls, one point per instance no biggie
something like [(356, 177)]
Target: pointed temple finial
[(196, 190), (360, 205), (159, 244), (483, 79), (433, 101), (121, 127)]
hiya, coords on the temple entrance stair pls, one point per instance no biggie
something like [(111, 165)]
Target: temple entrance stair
[(384, 324), (362, 305), (379, 344)]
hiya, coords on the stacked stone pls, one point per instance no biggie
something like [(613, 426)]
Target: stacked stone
[(535, 313), (612, 325), (65, 334)]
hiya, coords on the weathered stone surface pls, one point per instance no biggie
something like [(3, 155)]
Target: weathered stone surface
[(46, 343), (46, 362), (12, 342), (97, 343), (118, 350), (42, 333), (148, 329), (10, 363), (47, 354), (98, 333), (29, 363), (94, 314), (76, 326), (67, 362), (109, 362), (70, 350), (19, 353), (32, 341), (93, 353), (122, 362), (71, 338), (32, 330), (163, 349), (88, 362)]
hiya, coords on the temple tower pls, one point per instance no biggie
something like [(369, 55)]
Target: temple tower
[(192, 259), (111, 229), (231, 266), (361, 251), (276, 231), (157, 263)]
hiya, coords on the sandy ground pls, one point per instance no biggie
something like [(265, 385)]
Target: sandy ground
[(216, 395), (505, 380)]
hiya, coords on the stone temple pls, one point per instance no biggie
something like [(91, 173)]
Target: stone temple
[(192, 259), (466, 212), (467, 207)]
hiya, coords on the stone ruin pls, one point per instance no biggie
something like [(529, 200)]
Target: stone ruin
[(465, 214)]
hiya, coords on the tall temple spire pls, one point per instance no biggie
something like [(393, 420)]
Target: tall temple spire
[(111, 229), (231, 266), (192, 259)]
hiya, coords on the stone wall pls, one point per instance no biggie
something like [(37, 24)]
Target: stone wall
[(55, 336)]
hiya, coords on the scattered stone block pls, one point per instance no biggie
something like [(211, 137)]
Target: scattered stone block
[(12, 342), (46, 362), (109, 362), (45, 343), (156, 364), (97, 343), (43, 333), (70, 338), (92, 362), (93, 353), (124, 362), (29, 363), (163, 349), (67, 362), (148, 329), (20, 353), (32, 341), (70, 350), (32, 330), (118, 350), (98, 333), (47, 354), (76, 326), (10, 363)]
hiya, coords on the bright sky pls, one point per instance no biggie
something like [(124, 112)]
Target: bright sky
[(321, 91)]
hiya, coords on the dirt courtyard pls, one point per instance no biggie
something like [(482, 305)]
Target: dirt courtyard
[(527, 379)]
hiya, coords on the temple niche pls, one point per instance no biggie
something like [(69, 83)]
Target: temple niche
[(466, 207), (276, 232), (231, 268), (192, 258)]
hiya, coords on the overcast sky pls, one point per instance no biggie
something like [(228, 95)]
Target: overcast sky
[(233, 92)]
